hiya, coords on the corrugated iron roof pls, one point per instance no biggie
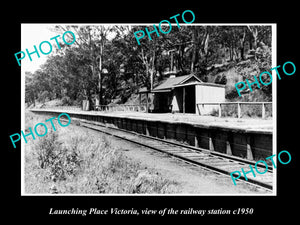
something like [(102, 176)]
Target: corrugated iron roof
[(173, 81)]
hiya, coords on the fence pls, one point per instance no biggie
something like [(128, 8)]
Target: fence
[(73, 108), (111, 108), (108, 108), (143, 108), (239, 108)]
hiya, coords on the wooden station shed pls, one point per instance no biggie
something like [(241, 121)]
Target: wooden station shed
[(182, 94)]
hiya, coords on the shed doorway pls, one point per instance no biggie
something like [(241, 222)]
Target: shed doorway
[(162, 102), (189, 99)]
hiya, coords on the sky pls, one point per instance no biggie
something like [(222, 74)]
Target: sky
[(34, 34)]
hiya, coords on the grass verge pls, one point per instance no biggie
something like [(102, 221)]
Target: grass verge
[(70, 161)]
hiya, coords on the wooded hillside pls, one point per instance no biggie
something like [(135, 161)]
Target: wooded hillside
[(106, 62)]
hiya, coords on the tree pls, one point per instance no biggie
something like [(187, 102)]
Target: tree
[(30, 88), (145, 55), (106, 61), (90, 44)]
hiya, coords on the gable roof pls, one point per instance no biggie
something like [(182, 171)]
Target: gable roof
[(173, 81)]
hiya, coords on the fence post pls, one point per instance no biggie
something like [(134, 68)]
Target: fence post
[(198, 108), (210, 142), (146, 128), (229, 137), (211, 145), (249, 150), (263, 111), (228, 148), (239, 110), (220, 112), (196, 142)]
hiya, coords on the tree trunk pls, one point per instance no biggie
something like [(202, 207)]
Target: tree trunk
[(194, 39), (33, 100), (242, 53), (149, 64), (172, 61), (255, 42), (254, 32), (136, 76), (242, 45), (180, 57), (152, 70), (205, 43), (234, 52), (86, 105)]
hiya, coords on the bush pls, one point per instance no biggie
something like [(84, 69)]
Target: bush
[(45, 149), (214, 112), (77, 162), (230, 110), (66, 101), (58, 160), (44, 97), (252, 110), (106, 169)]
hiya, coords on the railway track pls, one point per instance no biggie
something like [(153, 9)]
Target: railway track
[(214, 161)]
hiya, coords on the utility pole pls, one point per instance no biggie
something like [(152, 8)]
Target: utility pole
[(100, 74)]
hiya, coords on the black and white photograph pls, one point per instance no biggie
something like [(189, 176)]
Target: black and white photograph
[(151, 109), (124, 113)]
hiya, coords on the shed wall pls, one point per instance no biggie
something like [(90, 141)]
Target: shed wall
[(208, 94)]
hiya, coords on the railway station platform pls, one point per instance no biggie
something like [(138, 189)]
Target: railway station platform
[(264, 125), (247, 124), (242, 137)]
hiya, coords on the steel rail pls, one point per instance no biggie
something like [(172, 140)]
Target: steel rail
[(218, 157)]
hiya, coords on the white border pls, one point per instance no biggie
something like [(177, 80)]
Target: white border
[(22, 125), (274, 108), (274, 100)]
